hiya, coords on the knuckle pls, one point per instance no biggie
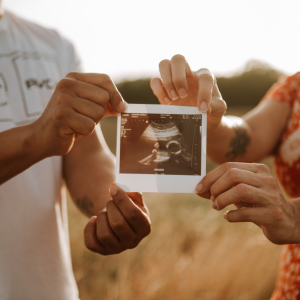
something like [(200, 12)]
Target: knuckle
[(242, 189), (106, 96), (227, 166), (65, 83), (277, 214), (135, 216), (105, 78), (115, 95), (117, 225), (109, 205), (103, 236), (263, 168), (177, 58), (232, 174), (271, 181)]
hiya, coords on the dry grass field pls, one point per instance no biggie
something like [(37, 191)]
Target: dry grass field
[(192, 253)]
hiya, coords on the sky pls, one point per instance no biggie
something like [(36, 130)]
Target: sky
[(128, 39)]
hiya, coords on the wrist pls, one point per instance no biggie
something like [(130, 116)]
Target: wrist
[(33, 141)]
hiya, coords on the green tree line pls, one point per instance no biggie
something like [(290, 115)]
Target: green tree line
[(244, 89)]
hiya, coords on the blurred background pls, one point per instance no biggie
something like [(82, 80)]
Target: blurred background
[(192, 252)]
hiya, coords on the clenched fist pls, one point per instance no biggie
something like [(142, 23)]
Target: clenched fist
[(78, 103), (121, 225)]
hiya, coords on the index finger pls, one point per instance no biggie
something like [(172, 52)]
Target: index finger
[(206, 81), (134, 215), (105, 82), (90, 237), (203, 187)]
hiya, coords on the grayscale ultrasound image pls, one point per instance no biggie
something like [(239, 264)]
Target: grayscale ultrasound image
[(160, 144)]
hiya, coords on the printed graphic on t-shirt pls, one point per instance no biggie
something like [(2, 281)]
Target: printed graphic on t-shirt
[(27, 82), (37, 75), (5, 113)]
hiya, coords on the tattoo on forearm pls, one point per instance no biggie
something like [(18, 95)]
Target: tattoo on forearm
[(86, 206), (238, 144)]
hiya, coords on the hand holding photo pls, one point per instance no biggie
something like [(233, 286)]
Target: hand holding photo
[(161, 148)]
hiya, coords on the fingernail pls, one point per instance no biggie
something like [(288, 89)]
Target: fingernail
[(93, 219), (225, 214), (168, 100), (214, 205), (203, 107), (199, 187), (113, 190), (182, 93), (122, 106), (174, 95)]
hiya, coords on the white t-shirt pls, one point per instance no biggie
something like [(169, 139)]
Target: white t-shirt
[(35, 261)]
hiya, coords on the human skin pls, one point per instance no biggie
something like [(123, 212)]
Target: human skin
[(78, 103), (66, 128), (224, 134), (258, 198), (250, 187)]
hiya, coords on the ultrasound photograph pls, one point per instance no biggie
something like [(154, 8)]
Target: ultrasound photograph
[(167, 144)]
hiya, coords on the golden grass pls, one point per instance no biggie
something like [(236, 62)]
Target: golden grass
[(191, 253)]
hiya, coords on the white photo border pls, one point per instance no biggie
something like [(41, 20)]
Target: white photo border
[(161, 183)]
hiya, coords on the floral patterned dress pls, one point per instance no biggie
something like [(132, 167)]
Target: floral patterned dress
[(287, 168)]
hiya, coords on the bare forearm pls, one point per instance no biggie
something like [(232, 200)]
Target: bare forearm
[(231, 141), (89, 171), (19, 150), (251, 137), (89, 182), (235, 140)]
